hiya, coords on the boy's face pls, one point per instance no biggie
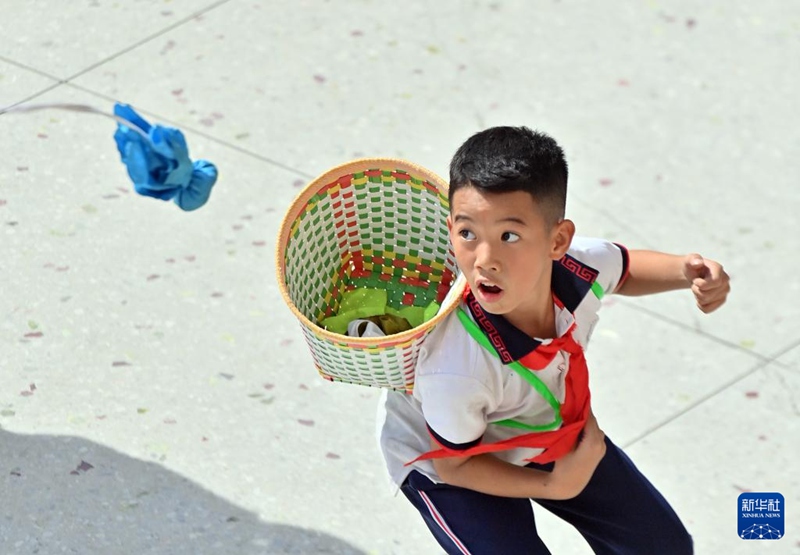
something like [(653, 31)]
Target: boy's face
[(506, 249)]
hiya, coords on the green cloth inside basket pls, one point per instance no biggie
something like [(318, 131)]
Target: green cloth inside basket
[(363, 303)]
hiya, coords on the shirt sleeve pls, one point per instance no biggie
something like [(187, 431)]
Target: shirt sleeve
[(448, 384), (626, 260), (611, 261), (455, 410)]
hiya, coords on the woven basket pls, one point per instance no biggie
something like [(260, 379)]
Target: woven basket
[(374, 223)]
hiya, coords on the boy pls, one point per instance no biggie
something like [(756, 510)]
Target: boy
[(501, 409)]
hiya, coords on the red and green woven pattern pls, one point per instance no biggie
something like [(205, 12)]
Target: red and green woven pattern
[(377, 224), (389, 365)]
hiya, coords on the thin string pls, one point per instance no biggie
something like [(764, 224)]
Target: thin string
[(76, 108)]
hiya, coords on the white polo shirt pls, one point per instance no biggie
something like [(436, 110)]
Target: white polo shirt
[(461, 388)]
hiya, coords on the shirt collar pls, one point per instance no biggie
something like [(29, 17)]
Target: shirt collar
[(571, 281)]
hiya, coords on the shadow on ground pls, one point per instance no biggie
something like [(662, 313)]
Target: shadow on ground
[(62, 494)]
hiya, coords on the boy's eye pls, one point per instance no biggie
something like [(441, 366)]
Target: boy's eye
[(466, 234), (510, 237)]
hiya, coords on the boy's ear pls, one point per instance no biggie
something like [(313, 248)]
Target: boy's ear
[(562, 235), (449, 224)]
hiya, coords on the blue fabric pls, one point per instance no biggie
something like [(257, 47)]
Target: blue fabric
[(159, 164), (618, 513)]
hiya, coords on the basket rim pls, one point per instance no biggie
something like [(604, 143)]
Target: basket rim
[(300, 201)]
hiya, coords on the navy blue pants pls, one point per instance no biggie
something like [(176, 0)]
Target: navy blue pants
[(618, 513)]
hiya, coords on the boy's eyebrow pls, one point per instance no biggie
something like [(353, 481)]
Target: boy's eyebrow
[(510, 219), (513, 220)]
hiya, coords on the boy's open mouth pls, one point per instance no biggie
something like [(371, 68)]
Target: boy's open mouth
[(489, 288)]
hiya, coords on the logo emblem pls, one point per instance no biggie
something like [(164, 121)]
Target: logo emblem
[(761, 516)]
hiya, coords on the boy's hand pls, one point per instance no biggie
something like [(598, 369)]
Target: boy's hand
[(573, 471), (710, 283)]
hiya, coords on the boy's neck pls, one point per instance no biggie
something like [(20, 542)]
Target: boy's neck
[(542, 328), (539, 320)]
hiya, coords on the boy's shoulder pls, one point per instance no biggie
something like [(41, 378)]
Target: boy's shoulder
[(448, 346), (594, 250), (452, 365), (597, 261)]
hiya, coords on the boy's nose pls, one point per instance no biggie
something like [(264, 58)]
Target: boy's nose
[(486, 260)]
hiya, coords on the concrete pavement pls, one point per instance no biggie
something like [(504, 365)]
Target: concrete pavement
[(156, 396)]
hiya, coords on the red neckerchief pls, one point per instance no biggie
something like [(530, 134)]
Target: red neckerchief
[(574, 409)]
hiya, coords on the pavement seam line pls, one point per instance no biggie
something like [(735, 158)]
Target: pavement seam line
[(678, 323), (696, 404), (67, 81), (147, 39), (31, 69), (780, 352)]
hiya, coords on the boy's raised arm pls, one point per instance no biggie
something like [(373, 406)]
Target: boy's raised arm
[(655, 272)]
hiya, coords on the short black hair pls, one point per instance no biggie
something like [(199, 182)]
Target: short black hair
[(507, 159)]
